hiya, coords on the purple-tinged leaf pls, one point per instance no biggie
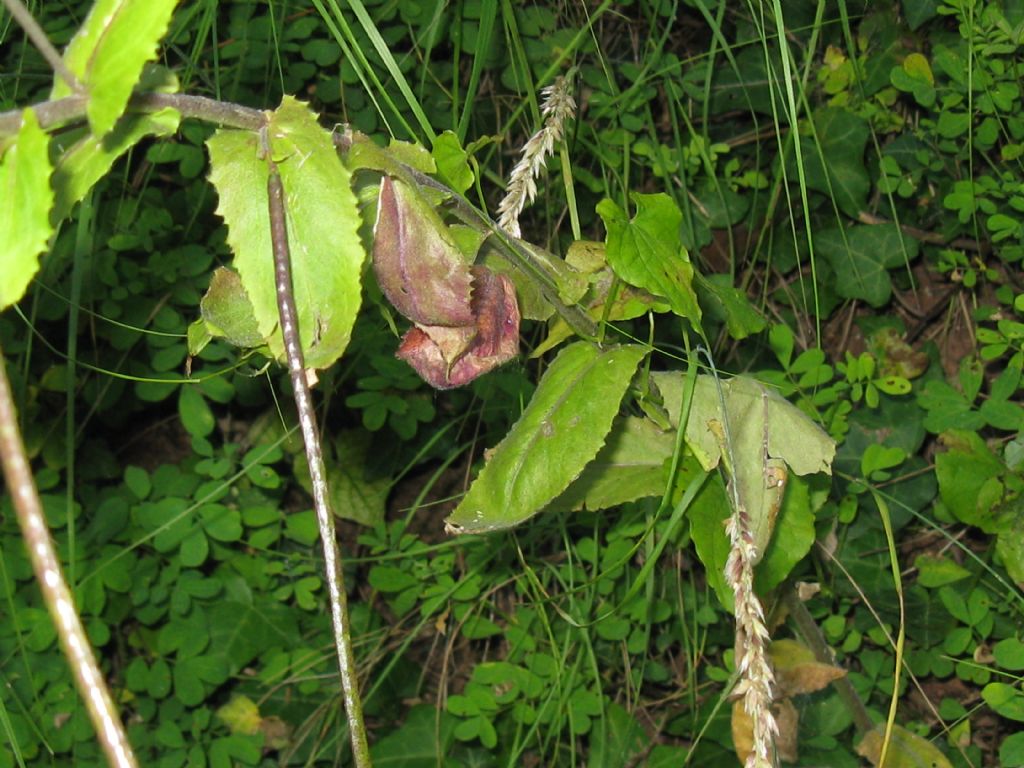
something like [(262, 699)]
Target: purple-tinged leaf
[(453, 357), (418, 266)]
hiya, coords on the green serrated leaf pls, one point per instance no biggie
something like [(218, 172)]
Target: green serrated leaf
[(88, 159), (862, 260), (632, 465), (647, 251), (323, 222), (559, 433), (108, 54), (24, 216)]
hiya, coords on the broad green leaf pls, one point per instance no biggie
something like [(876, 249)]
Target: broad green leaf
[(647, 251), (834, 165), (423, 740), (195, 413), (357, 494), (726, 303), (559, 433), (1005, 699), (90, 158), (24, 214), (861, 261), (938, 571), (633, 464), (323, 222), (767, 434), (905, 749), (707, 515), (108, 52), (968, 474), (452, 162)]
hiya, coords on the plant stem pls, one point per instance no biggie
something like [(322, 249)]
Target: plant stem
[(809, 631), (314, 458), (91, 685), (42, 43)]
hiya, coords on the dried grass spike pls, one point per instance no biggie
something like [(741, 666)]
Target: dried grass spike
[(558, 107)]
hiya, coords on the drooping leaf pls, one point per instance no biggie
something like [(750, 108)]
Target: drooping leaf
[(905, 750), (419, 267), (467, 318), (707, 515), (323, 220), (765, 434), (795, 526), (559, 433), (647, 251), (452, 357), (227, 311), (24, 214), (862, 261), (797, 671), (108, 52)]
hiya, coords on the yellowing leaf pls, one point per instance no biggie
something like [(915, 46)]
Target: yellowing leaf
[(917, 66), (796, 669), (905, 750), (241, 715), (786, 717)]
